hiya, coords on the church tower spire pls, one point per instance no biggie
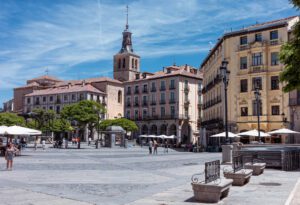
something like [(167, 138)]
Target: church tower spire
[(126, 62)]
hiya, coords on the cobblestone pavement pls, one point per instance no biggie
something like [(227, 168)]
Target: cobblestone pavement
[(124, 176)]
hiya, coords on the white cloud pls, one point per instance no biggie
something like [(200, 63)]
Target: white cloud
[(64, 35)]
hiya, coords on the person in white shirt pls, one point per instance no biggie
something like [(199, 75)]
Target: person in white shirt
[(44, 144)]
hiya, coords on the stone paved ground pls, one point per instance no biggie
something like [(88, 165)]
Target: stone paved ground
[(124, 176)]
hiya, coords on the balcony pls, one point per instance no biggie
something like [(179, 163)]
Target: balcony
[(172, 87), (145, 103), (172, 101), (128, 104), (212, 83), (275, 42), (136, 104), (186, 88), (257, 69), (216, 122), (162, 88), (243, 47), (153, 89), (153, 103), (145, 90), (162, 102), (212, 102), (294, 101), (136, 92)]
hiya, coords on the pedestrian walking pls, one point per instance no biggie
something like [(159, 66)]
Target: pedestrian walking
[(44, 144), (35, 144), (150, 146), (89, 141), (166, 146), (155, 147), (10, 152)]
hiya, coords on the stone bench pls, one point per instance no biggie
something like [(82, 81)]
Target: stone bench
[(211, 192), (240, 177), (257, 168)]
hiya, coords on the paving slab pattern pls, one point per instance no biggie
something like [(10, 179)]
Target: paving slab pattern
[(124, 176)]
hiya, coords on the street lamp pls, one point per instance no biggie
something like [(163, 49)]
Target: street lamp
[(257, 98), (225, 77)]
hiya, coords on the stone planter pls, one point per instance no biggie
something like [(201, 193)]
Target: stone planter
[(239, 178), (211, 192), (258, 168)]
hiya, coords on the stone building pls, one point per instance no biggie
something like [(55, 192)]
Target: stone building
[(166, 102), (252, 54), (8, 106)]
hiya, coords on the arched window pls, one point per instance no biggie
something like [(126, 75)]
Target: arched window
[(124, 62), (136, 64), (119, 63), (119, 96), (132, 63)]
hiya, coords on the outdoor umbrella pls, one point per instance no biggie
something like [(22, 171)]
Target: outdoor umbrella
[(3, 129), (254, 133), (143, 136), (223, 134), (18, 130), (283, 131)]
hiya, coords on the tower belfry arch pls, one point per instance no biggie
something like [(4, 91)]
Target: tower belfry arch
[(126, 61)]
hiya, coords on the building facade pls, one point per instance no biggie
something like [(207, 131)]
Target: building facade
[(294, 106), (8, 106), (166, 102), (253, 56)]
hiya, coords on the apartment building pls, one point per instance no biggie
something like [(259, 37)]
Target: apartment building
[(166, 102), (253, 59)]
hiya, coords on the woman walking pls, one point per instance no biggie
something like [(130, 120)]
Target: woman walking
[(9, 155), (155, 147)]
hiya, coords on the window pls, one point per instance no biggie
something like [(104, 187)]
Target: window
[(162, 97), (124, 62), (136, 100), (128, 90), (274, 83), (162, 111), (136, 64), (57, 109), (256, 82), (80, 96), (51, 98), (153, 98), (254, 107), (44, 99), (244, 85), (274, 35), (73, 96), (172, 111), (128, 114), (136, 90), (243, 62), (153, 111), (119, 63), (258, 37), (243, 40), (136, 114), (172, 84), (132, 63), (66, 97), (274, 58), (28, 100), (145, 88), (144, 113), (119, 96), (162, 85), (172, 97), (51, 108), (144, 100), (256, 59), (275, 110), (244, 111), (128, 101)]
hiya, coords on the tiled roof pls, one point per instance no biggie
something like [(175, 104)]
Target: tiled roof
[(66, 89), (160, 74), (33, 84), (45, 77), (89, 80)]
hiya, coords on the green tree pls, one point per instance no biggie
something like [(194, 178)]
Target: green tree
[(127, 125), (290, 57), (10, 119), (85, 113)]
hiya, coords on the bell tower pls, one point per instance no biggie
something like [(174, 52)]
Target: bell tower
[(126, 62)]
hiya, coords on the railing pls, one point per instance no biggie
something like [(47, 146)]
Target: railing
[(212, 102), (212, 83), (162, 102), (257, 69), (162, 88), (145, 103), (212, 121), (172, 87), (163, 117), (153, 103), (145, 90), (153, 89)]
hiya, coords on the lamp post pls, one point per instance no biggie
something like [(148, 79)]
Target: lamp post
[(225, 77), (257, 98)]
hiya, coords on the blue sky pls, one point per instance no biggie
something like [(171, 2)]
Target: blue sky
[(77, 39)]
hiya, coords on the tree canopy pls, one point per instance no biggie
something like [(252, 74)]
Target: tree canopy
[(10, 119), (126, 124), (290, 57)]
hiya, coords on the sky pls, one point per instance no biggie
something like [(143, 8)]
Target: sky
[(76, 39)]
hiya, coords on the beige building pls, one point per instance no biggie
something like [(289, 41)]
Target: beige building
[(252, 54), (166, 102)]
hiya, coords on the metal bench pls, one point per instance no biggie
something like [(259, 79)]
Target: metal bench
[(212, 189), (237, 173)]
